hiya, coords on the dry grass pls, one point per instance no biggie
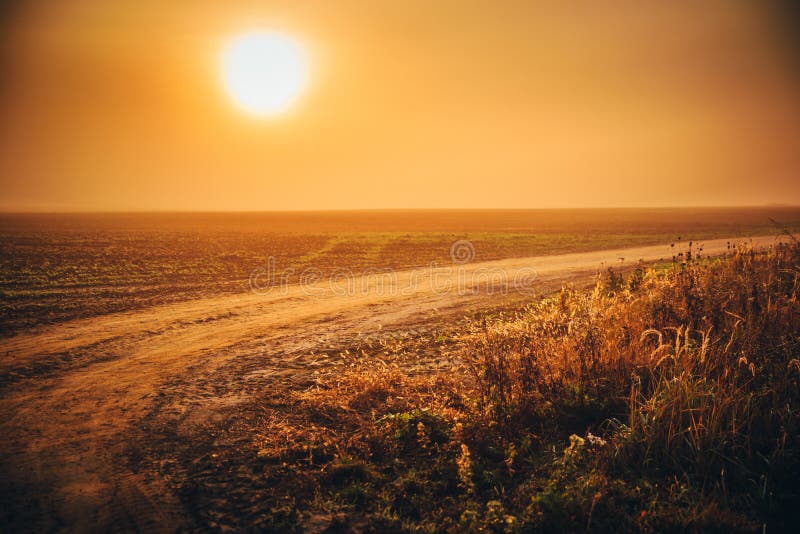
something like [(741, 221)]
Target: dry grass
[(338, 414), (667, 401), (691, 376)]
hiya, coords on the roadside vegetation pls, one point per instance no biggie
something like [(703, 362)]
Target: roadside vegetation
[(665, 400)]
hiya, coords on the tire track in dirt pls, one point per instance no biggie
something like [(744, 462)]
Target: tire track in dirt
[(63, 434)]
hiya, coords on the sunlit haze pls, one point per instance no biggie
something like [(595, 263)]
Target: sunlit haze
[(247, 105)]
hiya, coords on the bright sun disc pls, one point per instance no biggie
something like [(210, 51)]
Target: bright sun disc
[(264, 72)]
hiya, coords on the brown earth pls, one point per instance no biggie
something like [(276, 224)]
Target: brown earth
[(95, 412)]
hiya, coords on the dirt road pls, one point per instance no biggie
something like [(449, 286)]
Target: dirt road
[(72, 394)]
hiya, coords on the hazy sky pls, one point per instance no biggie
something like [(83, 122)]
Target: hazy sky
[(410, 104)]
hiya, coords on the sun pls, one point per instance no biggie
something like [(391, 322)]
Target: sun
[(264, 72)]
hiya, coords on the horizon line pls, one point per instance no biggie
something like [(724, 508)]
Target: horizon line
[(372, 210)]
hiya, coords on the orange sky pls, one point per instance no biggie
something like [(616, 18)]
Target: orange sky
[(414, 104)]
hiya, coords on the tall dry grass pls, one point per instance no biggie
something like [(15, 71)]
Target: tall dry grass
[(664, 400), (690, 371)]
